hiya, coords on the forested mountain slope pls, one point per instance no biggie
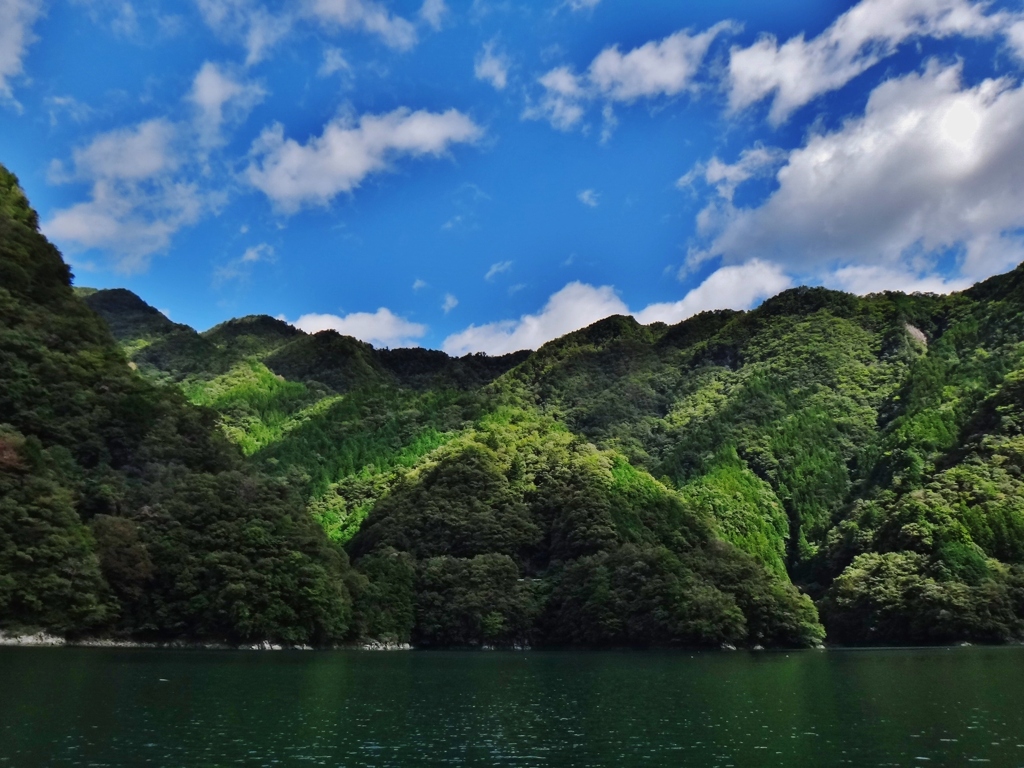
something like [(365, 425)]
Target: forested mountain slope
[(122, 507), (470, 518), (868, 448), (622, 485)]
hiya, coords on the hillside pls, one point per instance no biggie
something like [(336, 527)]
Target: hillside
[(123, 510), (469, 519), (866, 449), (623, 485)]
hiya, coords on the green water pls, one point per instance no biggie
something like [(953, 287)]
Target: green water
[(92, 707)]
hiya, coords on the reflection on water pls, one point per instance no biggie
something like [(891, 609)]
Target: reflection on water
[(95, 707)]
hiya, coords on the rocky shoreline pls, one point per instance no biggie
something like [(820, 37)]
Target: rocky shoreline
[(46, 640)]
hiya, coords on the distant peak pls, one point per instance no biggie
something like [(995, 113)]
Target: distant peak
[(254, 324)]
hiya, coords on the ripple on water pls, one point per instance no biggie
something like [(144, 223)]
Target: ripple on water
[(89, 707)]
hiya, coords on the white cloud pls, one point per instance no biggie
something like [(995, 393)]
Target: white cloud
[(930, 166), (582, 5), (241, 267), (497, 269), (419, 285), (725, 177), (120, 15), (576, 306), (371, 17), (129, 154), (433, 12), (137, 199), (248, 22), (334, 62), (261, 252), (220, 97), (450, 303), (739, 286), (67, 105), (16, 20), (664, 67), (876, 278), (797, 71), (589, 198), (130, 221), (609, 122), (492, 66), (380, 328), (264, 31), (1015, 36), (562, 102), (293, 175)]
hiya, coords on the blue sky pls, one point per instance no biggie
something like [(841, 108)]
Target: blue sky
[(485, 175)]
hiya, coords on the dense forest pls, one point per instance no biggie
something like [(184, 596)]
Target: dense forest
[(826, 466)]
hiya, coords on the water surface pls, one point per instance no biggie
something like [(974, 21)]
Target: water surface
[(103, 707)]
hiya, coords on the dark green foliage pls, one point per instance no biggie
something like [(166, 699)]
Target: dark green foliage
[(383, 592), (424, 368), (129, 318), (637, 596), (338, 362), (123, 508), (776, 613), (252, 336), (462, 506), (898, 597), (236, 557), (474, 601), (162, 349), (524, 534), (49, 571), (715, 594)]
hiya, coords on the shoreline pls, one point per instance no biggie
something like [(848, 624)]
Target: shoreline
[(46, 640)]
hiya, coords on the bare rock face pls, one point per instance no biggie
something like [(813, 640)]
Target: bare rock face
[(37, 639), (917, 334)]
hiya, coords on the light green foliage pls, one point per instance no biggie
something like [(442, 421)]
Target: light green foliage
[(744, 506), (369, 430), (793, 390), (256, 405)]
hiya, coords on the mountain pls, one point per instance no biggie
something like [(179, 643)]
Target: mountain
[(123, 509), (447, 516), (729, 479)]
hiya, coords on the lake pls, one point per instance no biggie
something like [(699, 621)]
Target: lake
[(112, 707)]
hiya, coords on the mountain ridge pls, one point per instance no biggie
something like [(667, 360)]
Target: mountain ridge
[(588, 380), (623, 485)]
